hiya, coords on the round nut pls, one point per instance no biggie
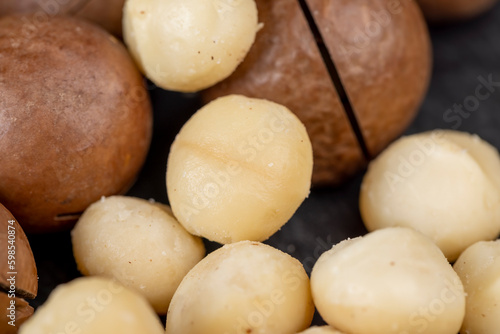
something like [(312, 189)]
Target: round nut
[(245, 287), (390, 281), (479, 268), (75, 119), (138, 243), (382, 53), (453, 10), (239, 169), (321, 330), (108, 14), (445, 184), (191, 44), (93, 305)]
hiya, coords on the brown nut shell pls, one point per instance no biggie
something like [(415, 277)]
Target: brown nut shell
[(383, 56), (438, 11), (75, 119), (26, 279), (22, 312), (107, 13)]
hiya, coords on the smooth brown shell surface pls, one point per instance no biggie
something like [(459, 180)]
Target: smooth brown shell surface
[(75, 119), (454, 10), (384, 65), (386, 75), (106, 13), (26, 278), (22, 313)]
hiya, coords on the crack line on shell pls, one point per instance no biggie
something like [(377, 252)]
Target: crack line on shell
[(335, 77)]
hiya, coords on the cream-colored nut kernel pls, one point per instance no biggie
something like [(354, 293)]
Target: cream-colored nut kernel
[(239, 169), (391, 281), (245, 287), (445, 184), (479, 269), (93, 305), (189, 45), (321, 330), (138, 243)]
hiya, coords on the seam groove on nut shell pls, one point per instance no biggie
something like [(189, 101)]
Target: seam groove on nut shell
[(335, 77), (68, 216)]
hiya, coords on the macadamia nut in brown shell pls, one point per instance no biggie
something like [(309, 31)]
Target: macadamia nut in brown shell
[(18, 274), (445, 184), (75, 119), (138, 243), (17, 258), (382, 53), (108, 14), (239, 169)]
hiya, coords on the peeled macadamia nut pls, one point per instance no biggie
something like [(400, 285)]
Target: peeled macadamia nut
[(238, 169), (479, 269), (138, 243), (93, 305), (321, 330), (445, 184), (108, 14), (245, 287), (391, 281), (454, 10), (75, 119), (189, 45), (382, 52)]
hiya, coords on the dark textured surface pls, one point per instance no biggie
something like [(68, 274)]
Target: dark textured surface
[(462, 53)]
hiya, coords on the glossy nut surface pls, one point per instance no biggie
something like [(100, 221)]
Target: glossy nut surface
[(108, 14), (245, 287), (445, 184), (75, 119), (239, 169)]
